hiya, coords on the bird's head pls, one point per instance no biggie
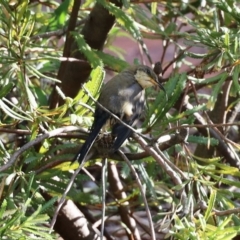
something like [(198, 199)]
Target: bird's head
[(146, 77)]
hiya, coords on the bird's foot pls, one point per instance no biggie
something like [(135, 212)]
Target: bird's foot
[(105, 144)]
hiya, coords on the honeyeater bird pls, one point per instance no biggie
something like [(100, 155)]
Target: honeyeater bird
[(124, 96)]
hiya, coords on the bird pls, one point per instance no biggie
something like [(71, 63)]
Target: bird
[(124, 96)]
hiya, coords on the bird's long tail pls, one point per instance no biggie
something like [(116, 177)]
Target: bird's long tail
[(99, 121)]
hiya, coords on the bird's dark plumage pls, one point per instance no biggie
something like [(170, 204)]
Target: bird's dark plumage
[(95, 129), (124, 96)]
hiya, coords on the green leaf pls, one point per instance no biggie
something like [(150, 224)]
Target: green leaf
[(113, 62), (11, 113), (154, 8), (223, 180), (21, 10), (6, 89), (213, 98), (123, 19), (59, 16), (211, 203), (40, 95), (235, 89), (15, 217), (90, 54), (170, 28), (203, 140), (147, 179), (93, 87), (142, 14), (211, 79), (183, 115), (198, 55), (31, 99), (225, 169), (38, 74), (3, 207), (161, 106), (48, 204)]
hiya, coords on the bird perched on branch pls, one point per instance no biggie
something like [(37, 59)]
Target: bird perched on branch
[(124, 96)]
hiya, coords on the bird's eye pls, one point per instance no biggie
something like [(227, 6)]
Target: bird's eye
[(148, 71)]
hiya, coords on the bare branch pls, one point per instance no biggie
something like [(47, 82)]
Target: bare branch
[(30, 144)]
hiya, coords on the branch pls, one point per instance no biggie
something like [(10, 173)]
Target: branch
[(57, 33), (16, 131), (30, 144), (153, 236), (223, 147), (203, 206), (168, 167), (124, 210)]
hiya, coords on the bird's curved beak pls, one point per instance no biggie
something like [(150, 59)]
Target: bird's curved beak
[(159, 84), (156, 82)]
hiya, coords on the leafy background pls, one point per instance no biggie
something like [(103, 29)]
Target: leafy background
[(182, 182)]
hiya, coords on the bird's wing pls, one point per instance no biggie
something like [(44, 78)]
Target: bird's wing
[(130, 114), (122, 133), (100, 119)]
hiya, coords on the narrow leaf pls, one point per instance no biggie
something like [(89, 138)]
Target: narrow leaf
[(211, 203)]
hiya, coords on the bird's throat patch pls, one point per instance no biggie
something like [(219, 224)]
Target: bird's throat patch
[(143, 79)]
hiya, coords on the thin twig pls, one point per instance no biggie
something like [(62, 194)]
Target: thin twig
[(145, 50), (104, 187), (233, 116), (162, 160), (203, 206), (62, 200), (225, 145), (168, 167), (175, 59), (16, 131), (117, 188), (153, 236), (57, 33)]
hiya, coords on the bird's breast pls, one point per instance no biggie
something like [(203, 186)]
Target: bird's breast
[(127, 109)]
